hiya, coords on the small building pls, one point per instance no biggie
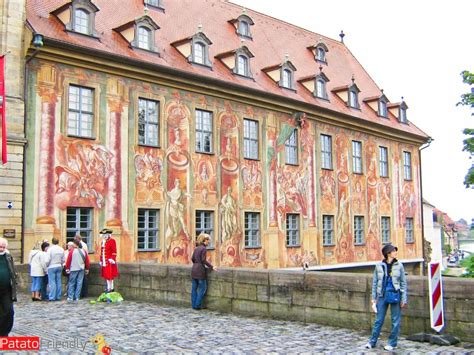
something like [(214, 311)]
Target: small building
[(165, 119)]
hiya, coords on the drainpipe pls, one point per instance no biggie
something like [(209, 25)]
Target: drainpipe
[(426, 145), (37, 44)]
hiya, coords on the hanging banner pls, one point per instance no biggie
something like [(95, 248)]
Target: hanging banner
[(2, 109)]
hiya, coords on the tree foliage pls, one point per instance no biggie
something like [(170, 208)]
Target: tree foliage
[(467, 99)]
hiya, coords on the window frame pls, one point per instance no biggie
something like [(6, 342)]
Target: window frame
[(385, 233), (79, 112), (148, 123), (357, 158), (383, 164), (256, 239), (359, 233), (158, 6), (148, 32), (147, 230), (407, 168), (409, 230), (320, 54), (251, 140), (328, 233), (353, 99), (87, 234), (245, 63), (382, 108), (203, 228), (90, 10), (288, 231), (203, 132), (293, 147), (326, 155), (200, 39)]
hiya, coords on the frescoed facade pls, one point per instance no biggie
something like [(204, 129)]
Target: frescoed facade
[(187, 136)]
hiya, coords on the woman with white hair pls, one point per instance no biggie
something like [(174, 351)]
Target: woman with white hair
[(8, 279)]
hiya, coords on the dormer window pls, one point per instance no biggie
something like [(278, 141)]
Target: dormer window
[(242, 25), (286, 78), (403, 113), (282, 74), (382, 108), (353, 96), (321, 54), (319, 51), (82, 21), (78, 16), (321, 88), (242, 65), (144, 38), (200, 49), (140, 33), (198, 53)]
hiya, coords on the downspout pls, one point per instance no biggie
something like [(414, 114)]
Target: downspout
[(37, 43), (426, 145)]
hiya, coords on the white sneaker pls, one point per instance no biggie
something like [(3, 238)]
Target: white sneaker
[(368, 346), (389, 347)]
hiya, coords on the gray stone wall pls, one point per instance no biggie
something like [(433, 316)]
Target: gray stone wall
[(336, 299)]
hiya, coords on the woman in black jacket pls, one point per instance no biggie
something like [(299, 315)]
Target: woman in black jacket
[(199, 271), (7, 289)]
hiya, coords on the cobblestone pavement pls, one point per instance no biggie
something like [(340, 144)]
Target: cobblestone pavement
[(136, 327)]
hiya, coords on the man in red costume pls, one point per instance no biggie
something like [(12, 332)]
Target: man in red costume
[(108, 257)]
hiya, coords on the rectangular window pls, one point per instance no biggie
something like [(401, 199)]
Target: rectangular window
[(252, 230), (79, 221), (358, 230), (326, 151), (291, 148), (148, 229), (407, 165), (356, 157), (203, 131), (385, 230), (292, 230), (328, 230), (250, 139), (148, 122), (383, 161), (80, 122), (409, 230), (205, 224)]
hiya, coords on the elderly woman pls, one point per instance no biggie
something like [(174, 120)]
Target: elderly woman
[(199, 271), (7, 289)]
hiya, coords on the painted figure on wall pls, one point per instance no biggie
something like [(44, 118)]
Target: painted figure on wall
[(82, 173), (252, 183), (328, 190), (148, 169), (175, 213), (228, 215)]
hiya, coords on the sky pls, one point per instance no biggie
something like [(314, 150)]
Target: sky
[(415, 49)]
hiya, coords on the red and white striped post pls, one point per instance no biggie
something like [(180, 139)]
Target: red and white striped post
[(436, 296)]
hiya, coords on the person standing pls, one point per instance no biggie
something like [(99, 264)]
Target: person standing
[(77, 264), (55, 267), (108, 259), (8, 279), (85, 283), (38, 260), (199, 271), (389, 288)]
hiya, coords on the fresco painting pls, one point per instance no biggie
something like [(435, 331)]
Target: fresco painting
[(177, 180)]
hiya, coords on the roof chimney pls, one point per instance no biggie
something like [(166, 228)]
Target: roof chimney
[(342, 36)]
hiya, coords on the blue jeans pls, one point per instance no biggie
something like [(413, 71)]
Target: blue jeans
[(198, 290), (395, 315), (55, 284), (75, 285)]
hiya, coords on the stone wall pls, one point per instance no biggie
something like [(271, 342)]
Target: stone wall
[(336, 299)]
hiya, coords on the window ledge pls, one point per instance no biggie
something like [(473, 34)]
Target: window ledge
[(294, 246), (329, 245), (148, 250), (253, 247), (359, 244), (253, 159), (328, 169), (83, 34), (149, 146), (207, 153), (81, 137)]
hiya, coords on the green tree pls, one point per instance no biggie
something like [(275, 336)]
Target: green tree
[(468, 99)]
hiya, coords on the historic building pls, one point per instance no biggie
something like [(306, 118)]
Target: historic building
[(12, 28), (163, 119)]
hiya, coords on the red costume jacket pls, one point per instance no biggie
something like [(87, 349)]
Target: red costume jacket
[(108, 251)]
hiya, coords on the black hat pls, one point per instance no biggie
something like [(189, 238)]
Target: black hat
[(387, 249), (106, 231)]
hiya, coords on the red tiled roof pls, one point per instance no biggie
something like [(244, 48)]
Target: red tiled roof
[(272, 40)]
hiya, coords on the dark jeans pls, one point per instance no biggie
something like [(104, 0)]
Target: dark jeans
[(198, 290), (85, 287), (6, 312), (44, 288)]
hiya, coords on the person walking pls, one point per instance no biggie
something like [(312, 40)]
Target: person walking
[(55, 267), (77, 264), (8, 281), (38, 260), (199, 271), (389, 288)]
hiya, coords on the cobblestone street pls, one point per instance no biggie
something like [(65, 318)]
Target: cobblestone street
[(144, 327)]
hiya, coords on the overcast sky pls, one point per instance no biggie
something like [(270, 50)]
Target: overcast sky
[(414, 49)]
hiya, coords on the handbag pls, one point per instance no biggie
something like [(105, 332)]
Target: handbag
[(392, 296)]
